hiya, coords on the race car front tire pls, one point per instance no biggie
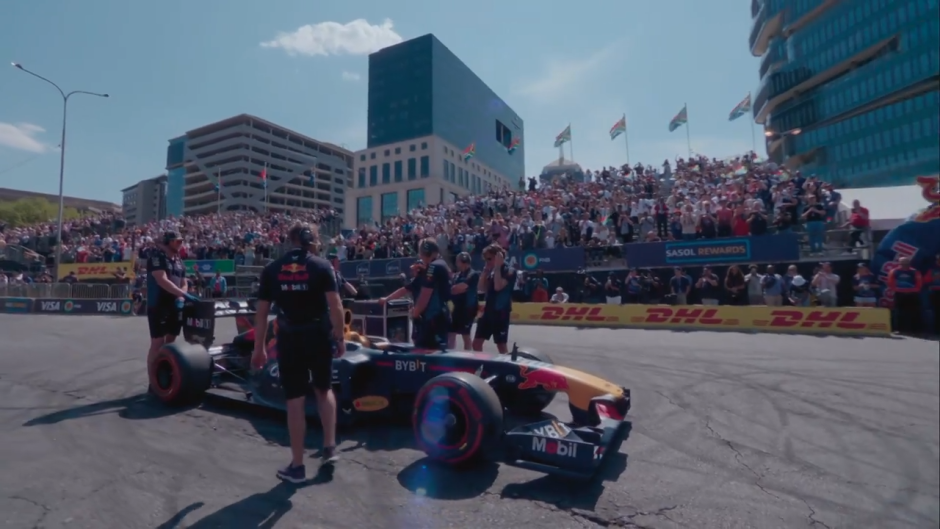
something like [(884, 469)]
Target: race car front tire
[(457, 418), (180, 373), (529, 402)]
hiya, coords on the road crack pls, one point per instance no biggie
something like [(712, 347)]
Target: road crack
[(45, 509), (739, 458)]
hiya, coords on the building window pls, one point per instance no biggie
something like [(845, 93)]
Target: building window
[(397, 150), (412, 169), (412, 147), (374, 175), (372, 156), (386, 173), (389, 205), (415, 199), (362, 157), (363, 210), (424, 146), (362, 177), (398, 171), (446, 163), (425, 166), (387, 152)]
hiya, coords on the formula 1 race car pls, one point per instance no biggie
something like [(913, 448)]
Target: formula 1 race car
[(456, 400)]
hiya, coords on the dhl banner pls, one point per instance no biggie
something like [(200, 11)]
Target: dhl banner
[(86, 271), (844, 320)]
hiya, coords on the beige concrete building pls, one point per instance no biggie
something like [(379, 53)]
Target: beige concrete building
[(393, 179)]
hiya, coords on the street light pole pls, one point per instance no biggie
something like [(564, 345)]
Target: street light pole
[(65, 107)]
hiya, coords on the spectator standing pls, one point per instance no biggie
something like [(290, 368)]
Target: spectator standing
[(859, 224), (612, 289), (864, 283), (798, 294), (735, 284), (906, 282), (707, 286), (825, 284), (559, 296), (680, 285), (772, 286), (755, 289), (218, 286), (815, 215)]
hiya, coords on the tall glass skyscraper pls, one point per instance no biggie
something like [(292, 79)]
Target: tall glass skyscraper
[(849, 89)]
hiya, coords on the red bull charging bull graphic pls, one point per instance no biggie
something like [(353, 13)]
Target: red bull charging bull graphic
[(545, 378), (917, 239)]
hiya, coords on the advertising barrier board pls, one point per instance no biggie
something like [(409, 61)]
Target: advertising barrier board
[(16, 305), (211, 266), (755, 249), (118, 307), (88, 271), (844, 320)]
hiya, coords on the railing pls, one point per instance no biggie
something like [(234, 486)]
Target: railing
[(65, 291)]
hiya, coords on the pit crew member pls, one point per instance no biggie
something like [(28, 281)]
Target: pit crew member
[(166, 284), (465, 299), (309, 334), (431, 288), (496, 281)]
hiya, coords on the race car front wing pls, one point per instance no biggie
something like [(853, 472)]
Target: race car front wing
[(569, 450)]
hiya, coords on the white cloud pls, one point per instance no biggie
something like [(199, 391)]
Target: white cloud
[(561, 76), (351, 76), (358, 37), (22, 136)]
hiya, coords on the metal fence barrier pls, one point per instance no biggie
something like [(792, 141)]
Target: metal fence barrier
[(65, 291)]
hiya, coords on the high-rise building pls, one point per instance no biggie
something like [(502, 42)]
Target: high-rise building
[(144, 201), (435, 132), (849, 90), (218, 167)]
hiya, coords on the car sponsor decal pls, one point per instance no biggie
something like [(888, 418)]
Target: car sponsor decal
[(370, 403)]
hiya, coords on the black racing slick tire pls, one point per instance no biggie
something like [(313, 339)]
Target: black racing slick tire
[(180, 373), (530, 402), (457, 418)]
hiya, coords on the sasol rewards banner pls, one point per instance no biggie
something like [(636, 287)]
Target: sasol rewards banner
[(765, 248)]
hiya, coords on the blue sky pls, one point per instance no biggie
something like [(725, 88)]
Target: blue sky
[(174, 65)]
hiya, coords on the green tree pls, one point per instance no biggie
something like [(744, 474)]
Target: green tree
[(28, 211)]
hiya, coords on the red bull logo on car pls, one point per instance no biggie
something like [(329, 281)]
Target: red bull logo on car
[(547, 379)]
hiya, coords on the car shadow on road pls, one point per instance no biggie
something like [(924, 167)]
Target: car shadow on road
[(136, 407), (262, 510), (559, 492), (429, 479)]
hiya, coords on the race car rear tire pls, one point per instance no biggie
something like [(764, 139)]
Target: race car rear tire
[(457, 418), (180, 373), (528, 402)]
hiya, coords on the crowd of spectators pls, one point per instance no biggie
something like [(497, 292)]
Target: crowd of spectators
[(104, 238), (686, 199)]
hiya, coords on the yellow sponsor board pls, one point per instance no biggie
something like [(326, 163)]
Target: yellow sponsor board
[(816, 320), (87, 271)]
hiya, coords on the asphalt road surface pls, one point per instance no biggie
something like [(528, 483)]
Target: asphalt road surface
[(730, 430)]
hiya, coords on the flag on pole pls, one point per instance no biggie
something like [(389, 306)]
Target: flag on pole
[(469, 152), (264, 177), (619, 128), (743, 108), (564, 137), (681, 119), (513, 145)]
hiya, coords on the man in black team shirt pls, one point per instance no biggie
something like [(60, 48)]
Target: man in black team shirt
[(166, 292), (496, 280), (465, 299), (309, 335), (431, 290)]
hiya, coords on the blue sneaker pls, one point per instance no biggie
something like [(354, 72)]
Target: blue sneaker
[(292, 474)]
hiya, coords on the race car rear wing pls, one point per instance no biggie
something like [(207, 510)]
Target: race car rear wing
[(199, 318)]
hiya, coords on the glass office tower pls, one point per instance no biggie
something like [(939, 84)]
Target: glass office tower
[(420, 88), (849, 89)]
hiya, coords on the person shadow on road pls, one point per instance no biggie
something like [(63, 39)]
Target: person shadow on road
[(262, 510)]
